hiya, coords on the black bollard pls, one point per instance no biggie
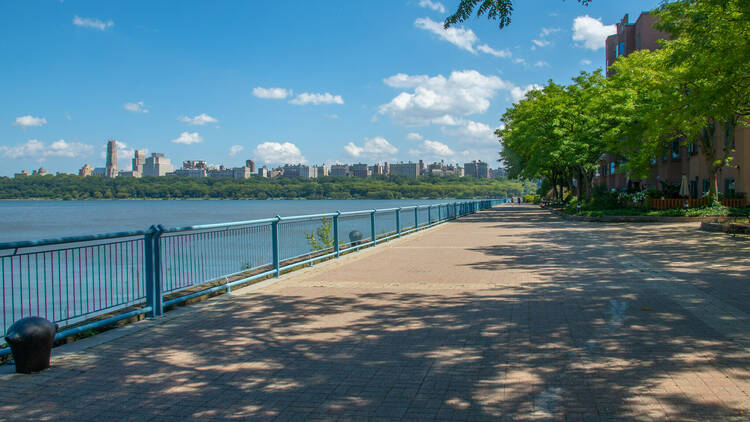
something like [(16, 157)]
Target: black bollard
[(30, 340), (355, 236)]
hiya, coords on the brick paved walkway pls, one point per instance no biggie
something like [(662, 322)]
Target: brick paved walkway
[(511, 314)]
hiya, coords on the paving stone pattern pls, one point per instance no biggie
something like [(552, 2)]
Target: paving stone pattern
[(509, 314)]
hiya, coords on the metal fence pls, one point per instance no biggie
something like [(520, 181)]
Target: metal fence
[(109, 277)]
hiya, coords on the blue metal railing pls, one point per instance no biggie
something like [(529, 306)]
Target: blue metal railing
[(120, 275)]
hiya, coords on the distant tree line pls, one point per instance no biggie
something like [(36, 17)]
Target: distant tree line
[(70, 187)]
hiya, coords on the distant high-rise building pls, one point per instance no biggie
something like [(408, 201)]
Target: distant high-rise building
[(194, 165), (421, 167), (251, 164), (139, 159), (157, 165), (478, 169), (300, 170), (23, 173), (386, 168), (340, 170), (111, 167), (263, 172), (410, 170), (86, 170), (322, 171), (377, 169), (360, 170)]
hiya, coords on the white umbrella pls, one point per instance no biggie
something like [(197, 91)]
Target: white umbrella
[(684, 192)]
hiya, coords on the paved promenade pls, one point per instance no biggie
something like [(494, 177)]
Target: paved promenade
[(510, 314)]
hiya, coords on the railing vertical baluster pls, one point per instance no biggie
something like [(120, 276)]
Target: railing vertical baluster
[(275, 244), (398, 222), (429, 215), (416, 218), (372, 227), (153, 282), (336, 234)]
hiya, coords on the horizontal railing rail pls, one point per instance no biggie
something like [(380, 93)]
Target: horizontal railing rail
[(85, 282)]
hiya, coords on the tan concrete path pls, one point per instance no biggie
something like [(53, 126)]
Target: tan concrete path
[(510, 314)]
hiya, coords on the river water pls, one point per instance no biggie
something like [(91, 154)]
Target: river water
[(33, 220)]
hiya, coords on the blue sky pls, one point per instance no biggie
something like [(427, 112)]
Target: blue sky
[(281, 81)]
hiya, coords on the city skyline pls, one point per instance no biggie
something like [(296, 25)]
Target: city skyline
[(346, 83)]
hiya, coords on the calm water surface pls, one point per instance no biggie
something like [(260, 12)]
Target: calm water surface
[(32, 220)]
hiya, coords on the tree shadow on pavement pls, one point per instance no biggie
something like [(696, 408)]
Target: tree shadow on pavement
[(580, 340)]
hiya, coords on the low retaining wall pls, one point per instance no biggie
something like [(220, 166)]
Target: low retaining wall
[(638, 218), (734, 228), (672, 203)]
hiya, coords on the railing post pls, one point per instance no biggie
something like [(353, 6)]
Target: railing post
[(416, 218), (275, 245), (372, 227), (429, 215), (152, 252), (438, 220), (398, 222), (336, 234)]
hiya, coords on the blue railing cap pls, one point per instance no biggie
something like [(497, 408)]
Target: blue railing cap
[(69, 239)]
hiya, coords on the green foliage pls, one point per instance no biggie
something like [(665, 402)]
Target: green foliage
[(556, 133), (499, 10), (322, 238), (380, 187)]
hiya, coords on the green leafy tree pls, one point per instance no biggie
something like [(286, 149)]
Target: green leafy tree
[(499, 10), (322, 238)]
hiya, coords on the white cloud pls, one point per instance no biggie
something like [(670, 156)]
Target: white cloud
[(37, 150), (540, 43), (278, 153), (92, 23), (188, 138), (504, 53), (198, 120), (235, 149), (332, 116), (585, 62), (437, 148), (436, 6), (373, 149), (26, 121), (520, 61), (137, 107), (541, 63), (472, 132), (591, 33), (518, 93), (432, 150), (437, 98), (414, 137), (271, 93), (316, 99), (548, 31), (460, 37)]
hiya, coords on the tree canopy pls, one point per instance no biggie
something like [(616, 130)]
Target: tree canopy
[(499, 10)]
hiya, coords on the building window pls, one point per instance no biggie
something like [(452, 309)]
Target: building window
[(611, 167), (706, 187), (638, 41), (729, 136), (694, 188), (621, 48), (729, 186), (675, 149), (596, 172)]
